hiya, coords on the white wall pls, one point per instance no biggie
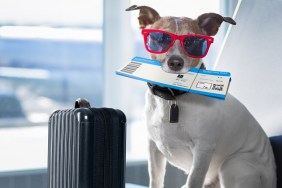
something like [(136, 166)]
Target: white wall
[(253, 55)]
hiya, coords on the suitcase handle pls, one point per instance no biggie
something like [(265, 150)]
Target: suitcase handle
[(81, 103)]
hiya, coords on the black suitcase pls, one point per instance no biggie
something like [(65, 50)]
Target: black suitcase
[(86, 147)]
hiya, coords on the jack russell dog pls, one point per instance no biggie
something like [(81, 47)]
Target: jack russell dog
[(218, 143)]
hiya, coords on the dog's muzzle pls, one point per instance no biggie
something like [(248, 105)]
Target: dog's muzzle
[(175, 63)]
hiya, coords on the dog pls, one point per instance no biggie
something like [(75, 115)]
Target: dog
[(218, 143)]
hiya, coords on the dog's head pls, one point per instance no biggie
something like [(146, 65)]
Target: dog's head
[(178, 42)]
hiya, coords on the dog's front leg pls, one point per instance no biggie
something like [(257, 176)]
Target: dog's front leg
[(202, 154), (157, 164)]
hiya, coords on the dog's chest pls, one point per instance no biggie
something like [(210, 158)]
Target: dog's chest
[(171, 138)]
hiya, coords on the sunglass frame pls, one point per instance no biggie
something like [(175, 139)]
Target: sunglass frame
[(174, 37)]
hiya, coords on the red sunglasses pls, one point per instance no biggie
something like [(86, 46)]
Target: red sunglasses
[(158, 41)]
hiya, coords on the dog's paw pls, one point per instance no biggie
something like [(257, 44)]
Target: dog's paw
[(184, 186)]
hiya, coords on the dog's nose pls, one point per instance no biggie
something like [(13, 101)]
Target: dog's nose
[(175, 63)]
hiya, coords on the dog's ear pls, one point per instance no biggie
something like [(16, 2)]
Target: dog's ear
[(147, 15), (210, 22)]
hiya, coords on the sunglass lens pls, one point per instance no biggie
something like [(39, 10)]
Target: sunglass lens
[(158, 41), (195, 46)]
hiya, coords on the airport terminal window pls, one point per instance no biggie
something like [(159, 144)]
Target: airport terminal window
[(51, 52)]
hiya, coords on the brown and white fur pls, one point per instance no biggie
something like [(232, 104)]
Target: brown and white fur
[(218, 143)]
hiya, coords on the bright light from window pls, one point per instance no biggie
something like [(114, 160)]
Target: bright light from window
[(70, 34), (52, 12)]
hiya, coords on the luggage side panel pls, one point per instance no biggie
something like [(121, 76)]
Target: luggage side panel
[(118, 144), (115, 127), (63, 147)]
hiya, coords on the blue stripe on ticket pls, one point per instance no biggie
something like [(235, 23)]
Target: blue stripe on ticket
[(216, 73), (208, 94), (145, 60), (157, 63)]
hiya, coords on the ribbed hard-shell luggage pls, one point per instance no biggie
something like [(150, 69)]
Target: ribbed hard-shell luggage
[(86, 147)]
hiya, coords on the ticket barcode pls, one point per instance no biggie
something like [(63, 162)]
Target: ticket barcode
[(131, 67)]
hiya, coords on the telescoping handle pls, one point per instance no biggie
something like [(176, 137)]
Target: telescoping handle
[(81, 103)]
